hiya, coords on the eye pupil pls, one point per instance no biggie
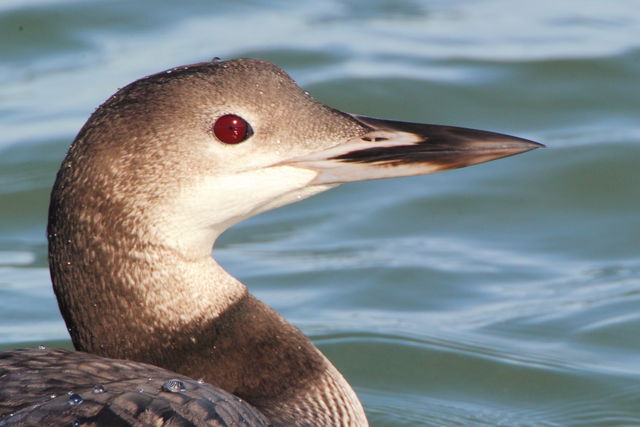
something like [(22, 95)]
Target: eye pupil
[(231, 129)]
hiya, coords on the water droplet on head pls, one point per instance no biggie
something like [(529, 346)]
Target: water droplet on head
[(75, 423), (41, 347), (75, 399), (173, 386), (169, 71), (99, 388)]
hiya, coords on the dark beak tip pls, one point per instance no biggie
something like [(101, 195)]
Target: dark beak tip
[(525, 145), (535, 144)]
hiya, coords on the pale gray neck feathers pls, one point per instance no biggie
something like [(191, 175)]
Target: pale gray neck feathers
[(125, 296)]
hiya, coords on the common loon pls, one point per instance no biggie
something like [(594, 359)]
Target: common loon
[(164, 335)]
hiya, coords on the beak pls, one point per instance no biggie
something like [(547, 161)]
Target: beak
[(394, 149)]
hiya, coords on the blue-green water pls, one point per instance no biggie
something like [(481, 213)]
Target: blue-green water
[(503, 294)]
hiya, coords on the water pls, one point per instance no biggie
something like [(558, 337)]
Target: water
[(75, 399), (502, 294), (173, 386)]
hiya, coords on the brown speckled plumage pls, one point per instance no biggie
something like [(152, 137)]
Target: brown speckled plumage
[(91, 390)]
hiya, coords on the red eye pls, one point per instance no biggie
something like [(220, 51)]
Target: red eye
[(231, 129)]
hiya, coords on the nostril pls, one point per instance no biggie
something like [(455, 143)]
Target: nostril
[(374, 138)]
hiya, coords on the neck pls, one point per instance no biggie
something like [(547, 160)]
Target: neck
[(125, 298)]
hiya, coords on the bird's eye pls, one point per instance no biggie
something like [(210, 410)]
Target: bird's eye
[(232, 129)]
